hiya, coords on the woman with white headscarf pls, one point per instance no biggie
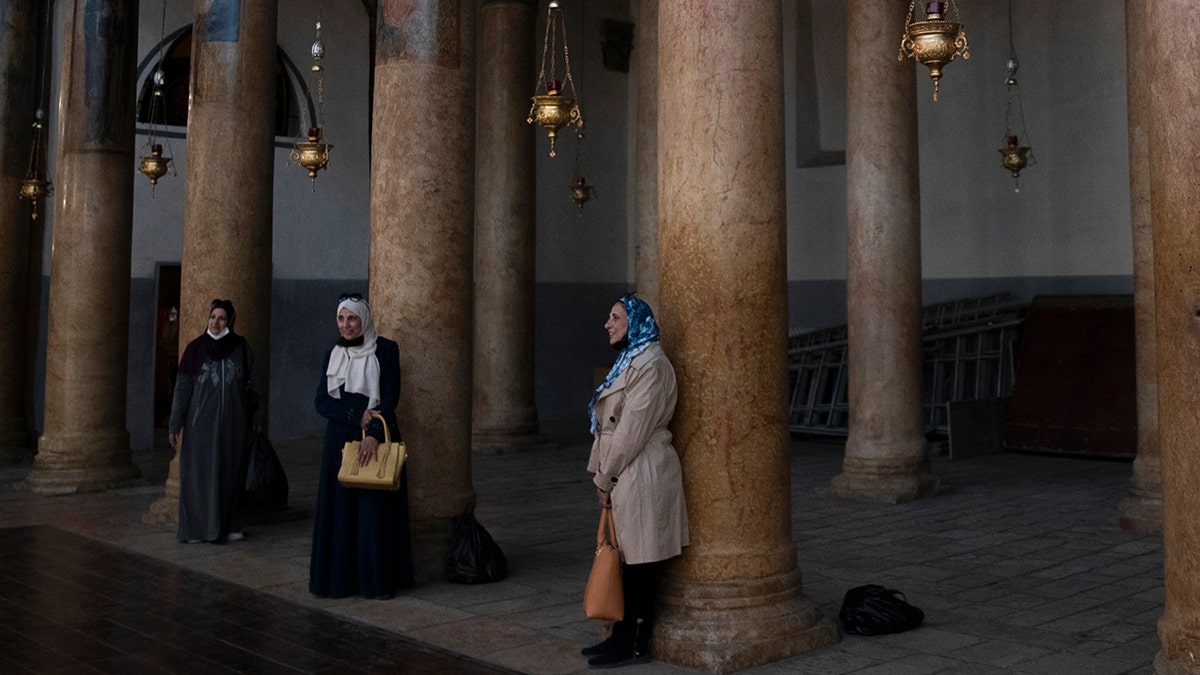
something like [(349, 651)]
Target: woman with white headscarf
[(636, 474), (361, 543)]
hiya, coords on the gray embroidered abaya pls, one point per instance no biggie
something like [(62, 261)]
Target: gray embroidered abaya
[(210, 410)]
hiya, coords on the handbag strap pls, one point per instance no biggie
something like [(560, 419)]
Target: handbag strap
[(606, 533), (387, 436)]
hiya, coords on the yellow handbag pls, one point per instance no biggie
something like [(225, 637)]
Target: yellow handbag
[(382, 473)]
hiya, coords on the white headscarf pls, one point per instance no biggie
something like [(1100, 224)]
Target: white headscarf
[(355, 368)]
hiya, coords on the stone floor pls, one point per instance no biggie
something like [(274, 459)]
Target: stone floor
[(1019, 568)]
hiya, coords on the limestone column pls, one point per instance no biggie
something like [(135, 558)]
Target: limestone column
[(1142, 507), (422, 213), (885, 452), (19, 59), (229, 196), (645, 59), (505, 416), (733, 599), (1171, 27), (85, 445)]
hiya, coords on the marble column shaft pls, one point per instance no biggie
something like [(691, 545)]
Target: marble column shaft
[(1171, 27), (734, 599), (422, 213), (1142, 507), (505, 416), (20, 62), (85, 445), (230, 186), (645, 59), (227, 217), (885, 451)]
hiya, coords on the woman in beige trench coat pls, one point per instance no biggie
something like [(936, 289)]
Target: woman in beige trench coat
[(637, 473)]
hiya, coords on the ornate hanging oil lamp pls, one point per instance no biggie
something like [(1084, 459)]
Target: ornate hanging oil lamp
[(36, 187), (553, 109), (579, 188), (1014, 156), (933, 42), (313, 154), (581, 192), (154, 164)]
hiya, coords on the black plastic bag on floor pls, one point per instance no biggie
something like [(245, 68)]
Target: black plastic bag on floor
[(266, 485), (875, 610), (473, 556)]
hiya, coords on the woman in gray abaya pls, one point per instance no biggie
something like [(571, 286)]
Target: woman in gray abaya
[(209, 419)]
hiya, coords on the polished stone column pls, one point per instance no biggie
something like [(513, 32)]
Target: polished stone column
[(1142, 507), (1171, 27), (20, 61), (227, 214), (422, 211), (885, 452), (734, 599), (85, 445), (505, 416), (645, 59)]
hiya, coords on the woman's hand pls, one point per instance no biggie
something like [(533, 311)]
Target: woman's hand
[(367, 450), (172, 439), (605, 498), (366, 418)]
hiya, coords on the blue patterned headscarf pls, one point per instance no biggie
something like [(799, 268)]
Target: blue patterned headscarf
[(643, 330)]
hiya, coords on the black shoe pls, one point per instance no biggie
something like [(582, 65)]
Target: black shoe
[(619, 656), (601, 647)]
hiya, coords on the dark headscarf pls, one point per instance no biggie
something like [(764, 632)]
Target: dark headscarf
[(208, 347), (642, 330)]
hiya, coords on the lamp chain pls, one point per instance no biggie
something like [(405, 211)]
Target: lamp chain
[(567, 57)]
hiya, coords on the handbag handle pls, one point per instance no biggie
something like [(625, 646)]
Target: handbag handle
[(387, 436), (606, 533)]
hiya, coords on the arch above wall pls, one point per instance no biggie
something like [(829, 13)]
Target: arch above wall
[(293, 100)]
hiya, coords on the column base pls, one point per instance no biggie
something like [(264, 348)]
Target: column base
[(165, 510), (72, 481), (887, 480), (1182, 664), (726, 626), (1141, 513), (494, 442), (82, 462), (430, 540)]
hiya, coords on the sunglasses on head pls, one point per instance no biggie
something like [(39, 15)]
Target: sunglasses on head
[(357, 297)]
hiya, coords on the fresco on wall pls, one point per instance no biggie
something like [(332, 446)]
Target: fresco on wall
[(421, 30), (222, 21), (106, 76)]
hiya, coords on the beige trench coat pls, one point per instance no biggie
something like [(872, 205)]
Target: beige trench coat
[(632, 456)]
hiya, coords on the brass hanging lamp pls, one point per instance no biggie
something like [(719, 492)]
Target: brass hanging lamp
[(36, 186), (581, 192), (553, 109), (1014, 156), (313, 154), (154, 164), (933, 42), (579, 189)]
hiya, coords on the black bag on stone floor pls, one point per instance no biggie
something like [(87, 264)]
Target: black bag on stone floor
[(875, 610), (266, 485), (473, 556)]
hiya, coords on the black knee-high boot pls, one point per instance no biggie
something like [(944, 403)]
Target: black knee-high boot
[(631, 636)]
